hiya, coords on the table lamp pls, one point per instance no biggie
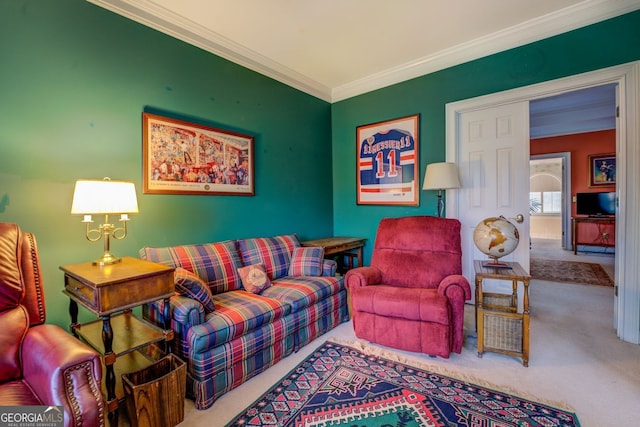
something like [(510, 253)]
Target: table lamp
[(104, 197), (441, 176)]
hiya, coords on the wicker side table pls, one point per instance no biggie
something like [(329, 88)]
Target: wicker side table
[(501, 328)]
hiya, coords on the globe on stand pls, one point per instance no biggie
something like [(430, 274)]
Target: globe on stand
[(496, 237)]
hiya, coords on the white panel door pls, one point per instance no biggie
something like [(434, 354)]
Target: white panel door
[(493, 158)]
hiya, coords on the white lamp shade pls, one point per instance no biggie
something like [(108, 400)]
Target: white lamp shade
[(92, 197), (441, 176)]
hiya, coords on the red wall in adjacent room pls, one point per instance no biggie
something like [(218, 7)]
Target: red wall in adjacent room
[(580, 146)]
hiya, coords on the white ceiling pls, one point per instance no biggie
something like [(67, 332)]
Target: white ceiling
[(336, 49)]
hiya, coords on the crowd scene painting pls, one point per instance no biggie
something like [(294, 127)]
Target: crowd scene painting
[(184, 158)]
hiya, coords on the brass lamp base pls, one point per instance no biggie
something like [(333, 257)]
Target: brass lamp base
[(107, 259)]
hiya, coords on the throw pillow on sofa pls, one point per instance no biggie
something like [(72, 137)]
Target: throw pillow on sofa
[(215, 263), (254, 278), (189, 284), (273, 252), (306, 261)]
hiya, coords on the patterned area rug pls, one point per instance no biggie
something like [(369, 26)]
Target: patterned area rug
[(340, 385), (569, 271)]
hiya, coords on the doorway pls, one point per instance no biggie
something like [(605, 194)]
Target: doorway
[(551, 231), (572, 125), (550, 197), (627, 269)]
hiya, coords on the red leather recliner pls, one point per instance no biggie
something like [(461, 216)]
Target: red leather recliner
[(412, 295), (41, 364)]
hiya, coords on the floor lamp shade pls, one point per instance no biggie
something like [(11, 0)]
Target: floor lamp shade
[(441, 176)]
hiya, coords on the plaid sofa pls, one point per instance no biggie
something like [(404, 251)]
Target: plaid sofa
[(227, 334)]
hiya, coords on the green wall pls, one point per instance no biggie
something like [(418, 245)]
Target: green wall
[(598, 46), (74, 81)]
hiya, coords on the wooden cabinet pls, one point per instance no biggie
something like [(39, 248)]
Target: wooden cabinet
[(590, 231), (110, 292)]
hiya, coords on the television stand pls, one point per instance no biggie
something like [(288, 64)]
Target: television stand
[(593, 231)]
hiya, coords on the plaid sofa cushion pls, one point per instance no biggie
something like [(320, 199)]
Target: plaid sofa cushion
[(215, 263), (273, 252), (236, 314), (306, 261), (303, 291)]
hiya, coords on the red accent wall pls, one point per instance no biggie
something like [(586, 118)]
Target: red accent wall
[(580, 146)]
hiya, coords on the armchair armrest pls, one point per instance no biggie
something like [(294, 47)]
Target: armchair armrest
[(455, 287), (457, 290), (62, 370), (362, 276)]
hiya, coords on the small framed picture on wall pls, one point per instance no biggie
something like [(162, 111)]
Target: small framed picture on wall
[(602, 169)]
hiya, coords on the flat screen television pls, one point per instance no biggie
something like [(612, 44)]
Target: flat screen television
[(596, 204)]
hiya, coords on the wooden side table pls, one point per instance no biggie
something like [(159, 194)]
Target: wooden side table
[(501, 328), (110, 292), (349, 247)]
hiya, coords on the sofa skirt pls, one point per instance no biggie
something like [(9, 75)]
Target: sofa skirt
[(215, 372), (218, 371), (318, 319)]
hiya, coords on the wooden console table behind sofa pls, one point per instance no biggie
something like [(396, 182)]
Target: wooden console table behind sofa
[(349, 248)]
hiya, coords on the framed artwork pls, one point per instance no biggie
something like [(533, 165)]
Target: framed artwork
[(602, 169), (387, 162), (186, 158)]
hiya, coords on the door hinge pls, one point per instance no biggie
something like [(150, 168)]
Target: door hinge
[(617, 112), (615, 290)]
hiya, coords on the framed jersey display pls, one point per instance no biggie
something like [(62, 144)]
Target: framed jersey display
[(387, 162)]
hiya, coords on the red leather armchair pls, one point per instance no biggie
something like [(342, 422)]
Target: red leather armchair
[(412, 295), (41, 364)]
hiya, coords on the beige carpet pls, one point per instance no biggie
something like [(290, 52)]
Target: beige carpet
[(583, 273), (576, 359)]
